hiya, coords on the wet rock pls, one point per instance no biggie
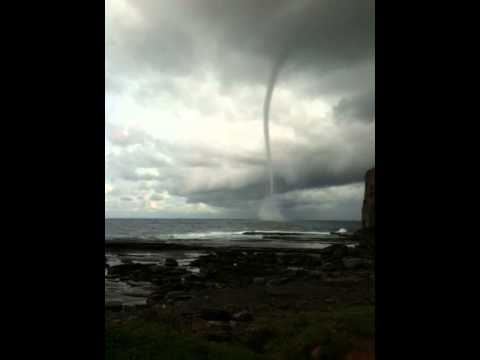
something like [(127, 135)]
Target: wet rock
[(242, 316), (368, 206), (355, 263), (219, 325), (217, 331), (340, 251), (114, 305), (329, 266), (158, 295), (144, 284), (300, 272), (279, 281), (137, 293), (174, 273), (355, 252), (330, 300), (197, 285), (218, 335), (192, 277), (177, 296), (336, 251), (141, 306), (215, 315), (259, 280), (171, 262), (129, 271), (155, 269), (315, 274), (232, 323)]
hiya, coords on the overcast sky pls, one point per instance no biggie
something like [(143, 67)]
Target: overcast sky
[(185, 82)]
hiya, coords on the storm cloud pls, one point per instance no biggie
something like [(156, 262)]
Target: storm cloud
[(185, 84)]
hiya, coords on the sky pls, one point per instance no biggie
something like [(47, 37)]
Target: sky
[(185, 82)]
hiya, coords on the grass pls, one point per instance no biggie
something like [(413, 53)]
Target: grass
[(286, 337), (148, 341), (334, 331)]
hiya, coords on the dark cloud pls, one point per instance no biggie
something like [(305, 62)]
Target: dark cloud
[(360, 107), (242, 39), (231, 181)]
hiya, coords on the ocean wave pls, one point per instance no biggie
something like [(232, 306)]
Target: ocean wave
[(226, 236)]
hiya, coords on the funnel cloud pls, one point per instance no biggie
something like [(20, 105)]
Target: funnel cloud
[(266, 118)]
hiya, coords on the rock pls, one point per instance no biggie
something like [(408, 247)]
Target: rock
[(279, 281), (330, 300), (336, 275), (114, 305), (219, 331), (171, 262), (259, 280), (215, 315), (329, 266), (128, 270), (144, 284), (177, 296), (141, 306), (219, 324), (137, 293), (243, 316), (233, 323), (368, 207), (339, 251), (155, 269), (315, 274), (355, 263), (219, 335), (300, 272), (366, 240)]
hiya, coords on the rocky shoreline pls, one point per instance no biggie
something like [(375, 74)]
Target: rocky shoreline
[(227, 293)]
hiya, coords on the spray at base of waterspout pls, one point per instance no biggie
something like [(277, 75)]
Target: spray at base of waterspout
[(270, 209)]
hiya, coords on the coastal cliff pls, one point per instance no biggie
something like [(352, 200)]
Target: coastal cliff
[(366, 235), (368, 208)]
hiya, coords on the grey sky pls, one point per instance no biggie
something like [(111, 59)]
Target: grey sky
[(184, 88)]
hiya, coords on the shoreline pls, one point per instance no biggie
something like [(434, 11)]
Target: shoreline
[(170, 245), (239, 295)]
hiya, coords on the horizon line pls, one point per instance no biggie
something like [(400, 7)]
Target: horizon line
[(226, 218)]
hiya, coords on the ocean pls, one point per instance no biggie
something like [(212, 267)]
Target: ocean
[(303, 234), (225, 232)]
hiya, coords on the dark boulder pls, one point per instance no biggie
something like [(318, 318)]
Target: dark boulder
[(215, 315), (244, 315), (171, 262), (356, 263)]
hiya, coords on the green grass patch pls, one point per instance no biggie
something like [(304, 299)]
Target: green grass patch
[(149, 341), (286, 337), (334, 331)]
